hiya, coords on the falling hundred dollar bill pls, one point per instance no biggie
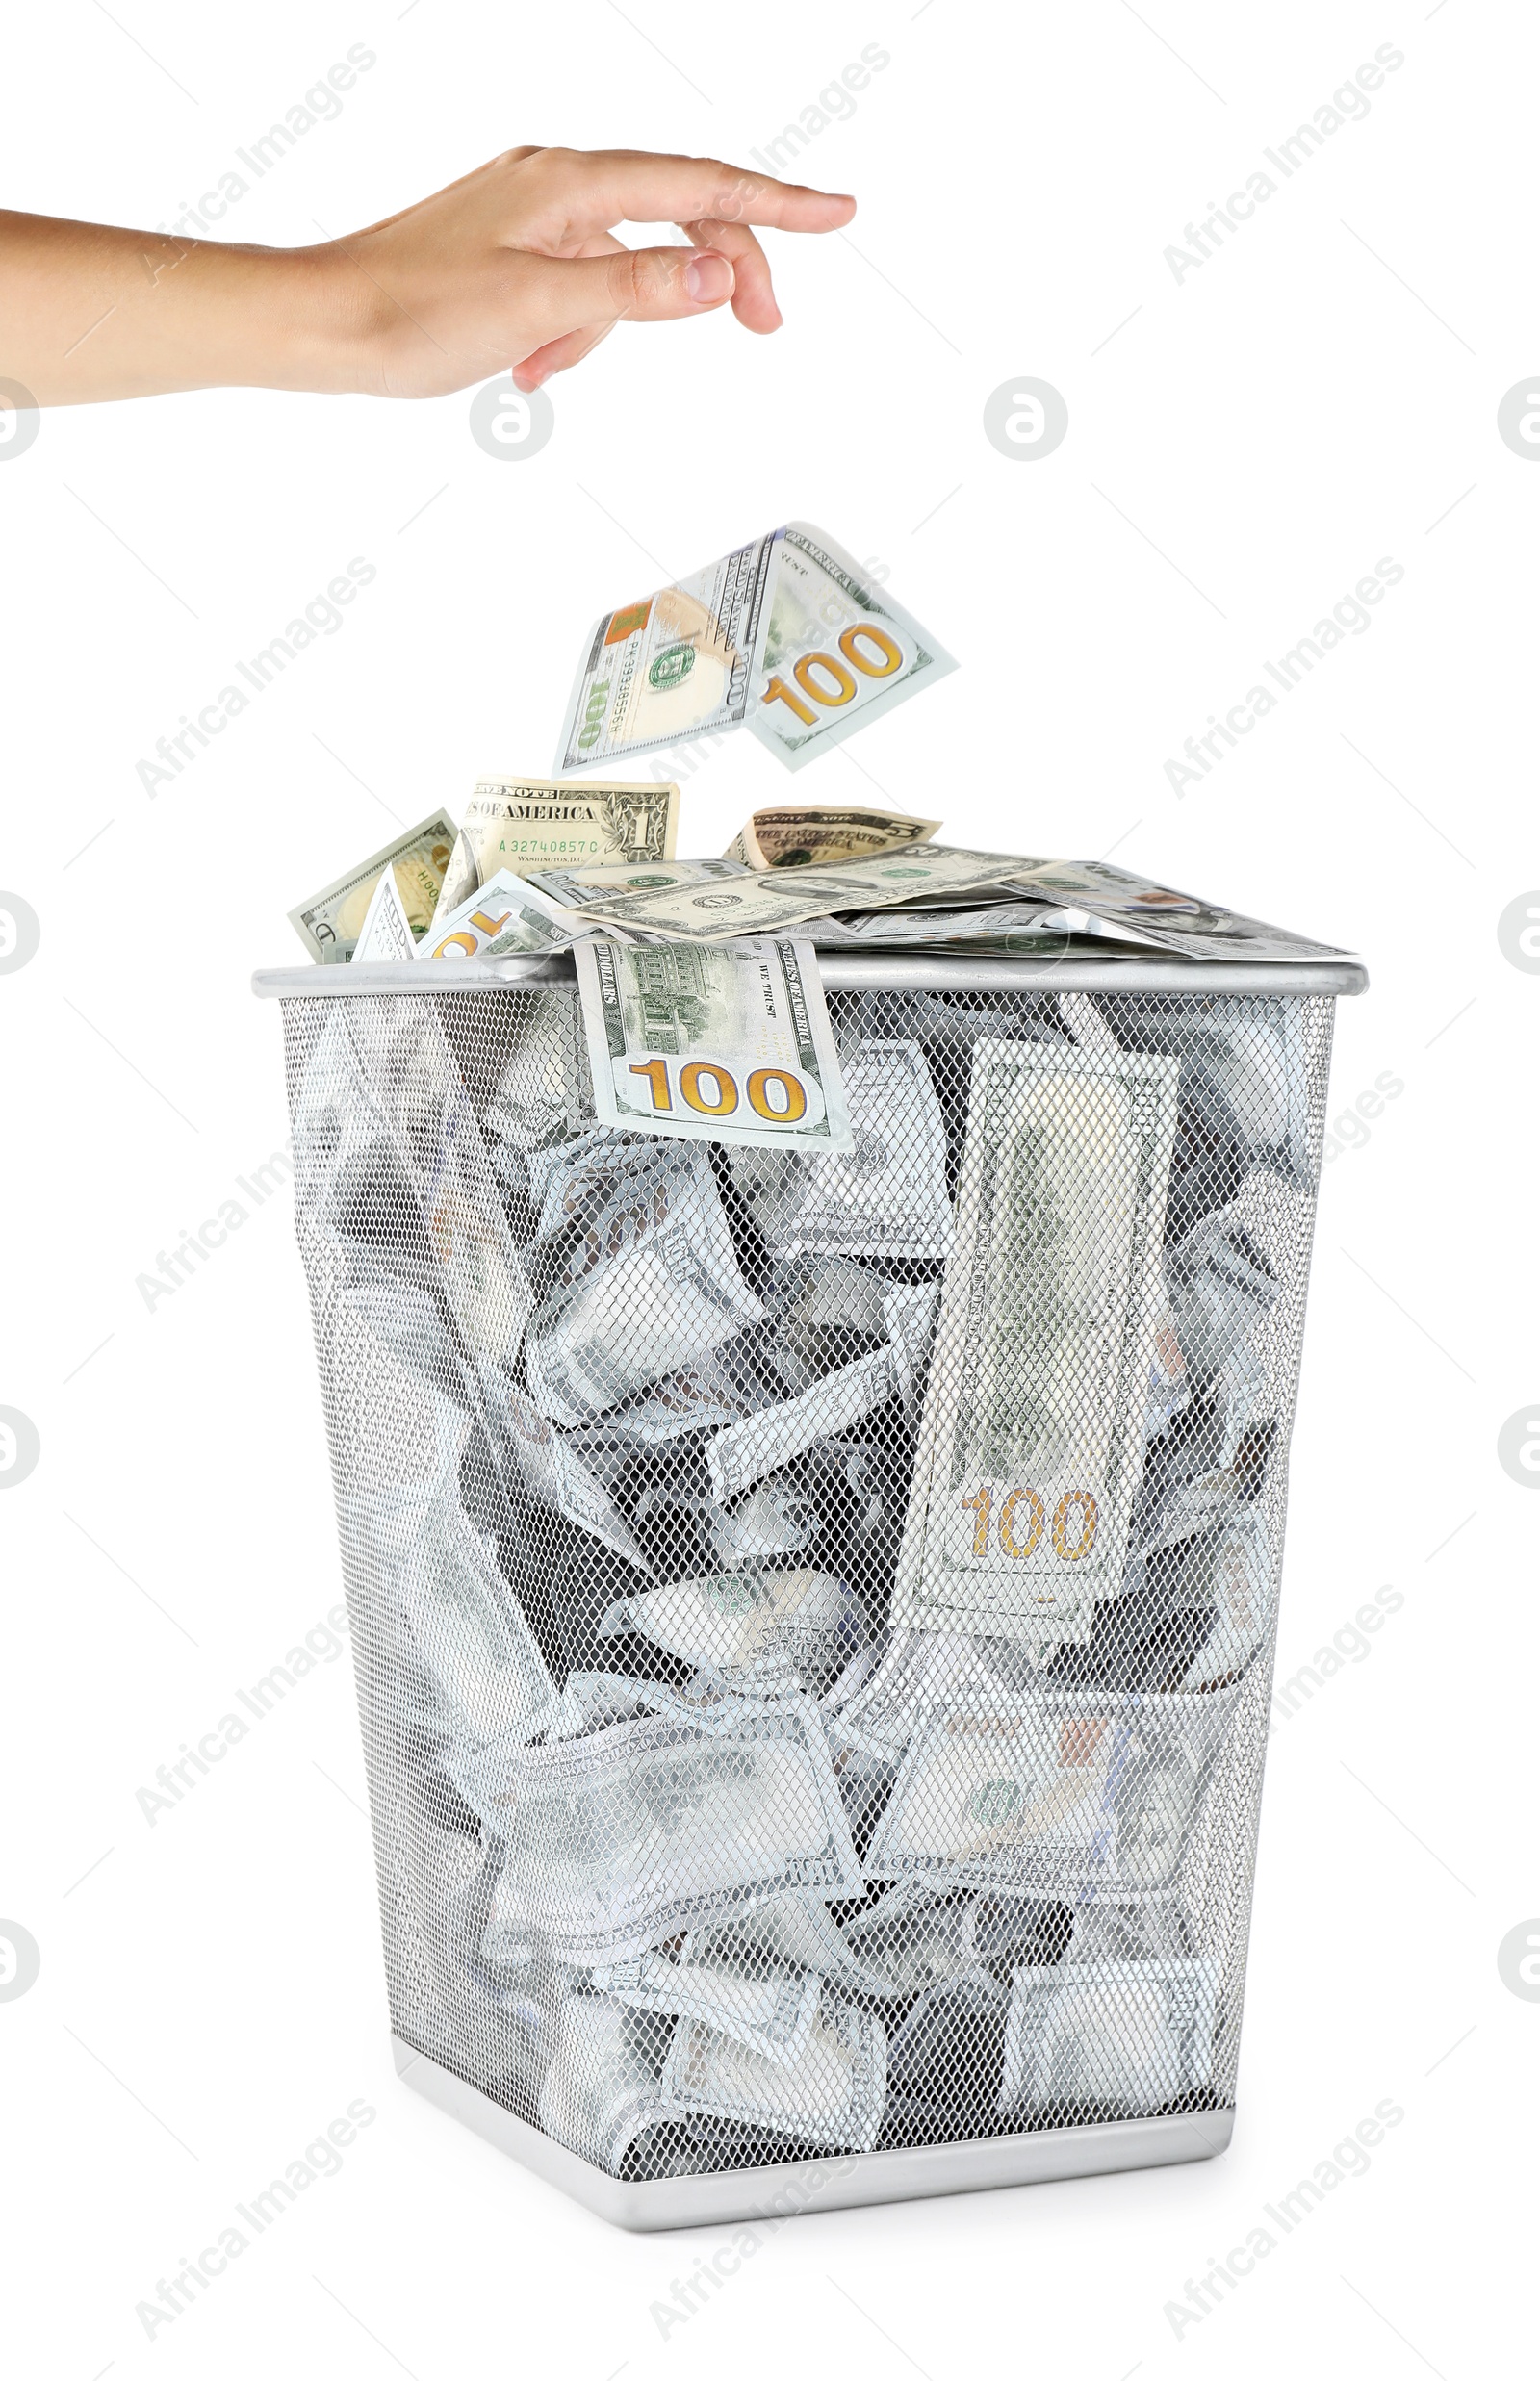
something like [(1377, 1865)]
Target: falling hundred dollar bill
[(785, 636), (330, 922), (713, 1044)]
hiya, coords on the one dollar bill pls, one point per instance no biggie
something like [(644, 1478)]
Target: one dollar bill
[(725, 1045), (528, 825), (1032, 1443)]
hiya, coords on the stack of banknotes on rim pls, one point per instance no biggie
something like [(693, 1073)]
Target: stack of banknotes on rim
[(838, 1469)]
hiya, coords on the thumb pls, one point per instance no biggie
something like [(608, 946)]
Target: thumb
[(637, 285)]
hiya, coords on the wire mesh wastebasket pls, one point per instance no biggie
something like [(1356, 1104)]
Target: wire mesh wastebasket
[(813, 1616)]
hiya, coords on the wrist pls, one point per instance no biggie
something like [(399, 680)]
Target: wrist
[(298, 318), (323, 322)]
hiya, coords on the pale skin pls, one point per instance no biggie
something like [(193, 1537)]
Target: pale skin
[(515, 268)]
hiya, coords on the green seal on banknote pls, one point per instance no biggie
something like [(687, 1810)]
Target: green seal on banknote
[(672, 666)]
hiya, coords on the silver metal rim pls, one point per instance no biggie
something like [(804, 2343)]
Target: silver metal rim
[(809, 2185), (855, 971)]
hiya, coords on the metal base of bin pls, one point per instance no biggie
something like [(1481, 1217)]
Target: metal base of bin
[(807, 2185)]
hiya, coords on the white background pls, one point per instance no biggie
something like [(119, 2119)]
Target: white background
[(1244, 445)]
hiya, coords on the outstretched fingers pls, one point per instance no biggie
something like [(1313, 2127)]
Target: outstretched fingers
[(578, 193), (554, 209)]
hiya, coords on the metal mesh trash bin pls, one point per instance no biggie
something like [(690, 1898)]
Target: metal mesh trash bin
[(813, 1617)]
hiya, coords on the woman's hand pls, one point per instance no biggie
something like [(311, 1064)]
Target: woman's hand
[(515, 267)]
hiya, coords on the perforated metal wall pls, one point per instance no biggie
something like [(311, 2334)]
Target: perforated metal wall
[(813, 1618)]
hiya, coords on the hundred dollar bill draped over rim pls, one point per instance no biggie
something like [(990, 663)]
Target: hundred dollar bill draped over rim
[(798, 837), (772, 900), (330, 922), (784, 636), (1032, 1442), (724, 1045), (528, 824)]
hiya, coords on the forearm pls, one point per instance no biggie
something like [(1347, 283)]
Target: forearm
[(513, 267), (88, 311)]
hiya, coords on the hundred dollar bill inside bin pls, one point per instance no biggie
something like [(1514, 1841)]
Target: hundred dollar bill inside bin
[(813, 1604)]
